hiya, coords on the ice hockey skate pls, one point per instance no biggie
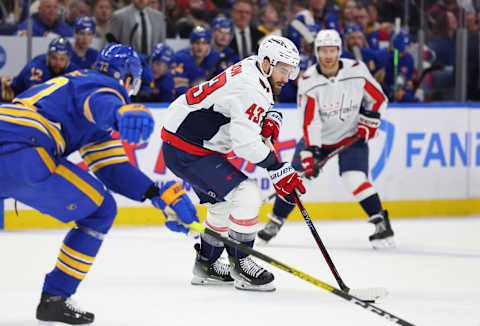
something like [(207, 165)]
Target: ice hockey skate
[(53, 308), (271, 228), (249, 276), (210, 273), (383, 236)]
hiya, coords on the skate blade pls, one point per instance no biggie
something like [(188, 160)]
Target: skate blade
[(240, 285), (387, 243), (55, 323), (196, 280)]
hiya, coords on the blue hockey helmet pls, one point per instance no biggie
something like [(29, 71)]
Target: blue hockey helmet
[(84, 23), (351, 27), (200, 33), (120, 61), (60, 44), (400, 39), (222, 22), (162, 52)]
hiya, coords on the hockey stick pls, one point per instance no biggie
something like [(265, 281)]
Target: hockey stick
[(197, 227), (322, 163), (369, 294)]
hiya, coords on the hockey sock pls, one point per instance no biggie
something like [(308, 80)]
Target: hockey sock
[(210, 248), (371, 205), (281, 208), (246, 239), (76, 256)]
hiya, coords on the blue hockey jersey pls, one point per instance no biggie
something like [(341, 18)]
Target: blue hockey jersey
[(85, 62)]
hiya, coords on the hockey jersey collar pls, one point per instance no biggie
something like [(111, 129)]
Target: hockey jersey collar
[(340, 67)]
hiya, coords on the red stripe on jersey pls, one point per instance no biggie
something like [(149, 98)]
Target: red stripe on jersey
[(179, 143), (375, 93), (250, 222), (362, 187), (309, 114), (216, 228)]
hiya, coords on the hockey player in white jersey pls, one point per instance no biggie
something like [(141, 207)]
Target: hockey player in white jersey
[(338, 99), (232, 112)]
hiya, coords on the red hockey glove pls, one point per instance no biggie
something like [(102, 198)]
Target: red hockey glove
[(311, 161), (285, 179), (368, 123), (272, 121)]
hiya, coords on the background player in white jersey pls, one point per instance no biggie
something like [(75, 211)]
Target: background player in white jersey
[(338, 99), (232, 112)]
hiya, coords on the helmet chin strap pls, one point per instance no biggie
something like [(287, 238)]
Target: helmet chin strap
[(270, 70)]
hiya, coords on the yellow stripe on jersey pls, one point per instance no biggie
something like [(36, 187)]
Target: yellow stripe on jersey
[(171, 194), (116, 151), (97, 166), (81, 184), (46, 159), (133, 107), (82, 267), (101, 146), (77, 255), (87, 111), (64, 268), (25, 113)]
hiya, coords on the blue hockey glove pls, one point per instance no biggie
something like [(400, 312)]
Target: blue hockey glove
[(135, 123), (176, 206)]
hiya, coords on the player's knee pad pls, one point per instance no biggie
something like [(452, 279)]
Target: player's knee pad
[(245, 202), (102, 219), (357, 183)]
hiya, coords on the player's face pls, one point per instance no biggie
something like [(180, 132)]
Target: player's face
[(222, 36), (103, 11), (355, 39), (159, 68), (83, 38), (200, 48), (280, 76), (328, 56), (57, 62)]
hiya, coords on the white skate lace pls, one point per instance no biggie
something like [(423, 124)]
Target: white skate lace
[(221, 268), (250, 267), (72, 305)]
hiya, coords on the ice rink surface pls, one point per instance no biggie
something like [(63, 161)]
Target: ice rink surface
[(142, 277)]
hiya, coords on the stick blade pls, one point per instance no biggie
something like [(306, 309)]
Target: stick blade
[(369, 294)]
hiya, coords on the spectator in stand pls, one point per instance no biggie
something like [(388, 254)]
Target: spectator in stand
[(322, 17), (161, 58), (269, 20), (154, 4), (443, 39), (361, 18), (471, 21), (301, 23), (82, 55), (442, 6), (76, 8), (45, 66), (222, 28), (245, 37), (12, 12), (102, 12), (398, 84), (355, 48), (139, 26), (195, 64), (195, 15), (346, 13), (173, 14), (392, 9), (47, 20)]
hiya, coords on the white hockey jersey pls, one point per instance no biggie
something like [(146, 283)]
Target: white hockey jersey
[(329, 107), (223, 114)]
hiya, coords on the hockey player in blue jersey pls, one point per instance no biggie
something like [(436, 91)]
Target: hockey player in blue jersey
[(78, 112), (161, 58), (402, 91), (355, 39), (82, 55), (222, 28), (194, 65), (45, 66)]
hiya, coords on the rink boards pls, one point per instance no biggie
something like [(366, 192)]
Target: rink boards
[(425, 162)]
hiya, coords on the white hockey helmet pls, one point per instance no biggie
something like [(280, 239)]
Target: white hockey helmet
[(278, 49), (328, 37)]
